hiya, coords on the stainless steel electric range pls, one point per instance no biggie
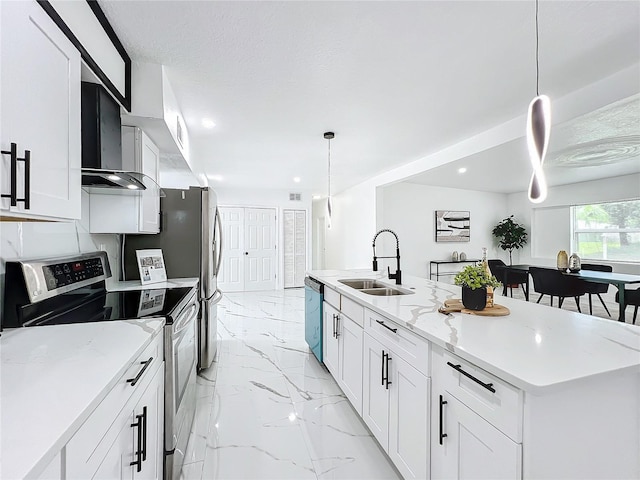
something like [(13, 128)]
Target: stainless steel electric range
[(72, 290)]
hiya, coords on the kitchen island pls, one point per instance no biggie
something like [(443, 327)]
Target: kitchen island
[(540, 393), (52, 380)]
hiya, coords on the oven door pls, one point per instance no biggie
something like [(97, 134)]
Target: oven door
[(180, 357)]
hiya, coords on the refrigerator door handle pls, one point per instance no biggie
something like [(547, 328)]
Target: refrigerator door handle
[(218, 221), (218, 292)]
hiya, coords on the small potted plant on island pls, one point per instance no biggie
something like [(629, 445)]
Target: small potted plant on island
[(474, 281)]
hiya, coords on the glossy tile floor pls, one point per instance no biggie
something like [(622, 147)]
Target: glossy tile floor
[(268, 410)]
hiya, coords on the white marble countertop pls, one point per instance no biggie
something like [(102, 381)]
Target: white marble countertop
[(52, 378), (115, 286), (536, 347)]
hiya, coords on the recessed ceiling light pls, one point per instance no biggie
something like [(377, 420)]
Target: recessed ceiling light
[(208, 123), (115, 178), (217, 178), (296, 179), (132, 187), (316, 197), (462, 170)]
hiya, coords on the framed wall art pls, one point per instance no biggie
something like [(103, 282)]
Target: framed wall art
[(452, 226)]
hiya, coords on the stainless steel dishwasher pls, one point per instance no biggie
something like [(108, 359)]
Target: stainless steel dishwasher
[(313, 296)]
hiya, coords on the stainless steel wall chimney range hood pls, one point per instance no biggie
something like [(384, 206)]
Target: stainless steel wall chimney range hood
[(102, 146)]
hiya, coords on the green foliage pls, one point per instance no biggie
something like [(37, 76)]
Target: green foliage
[(510, 234), (475, 276)]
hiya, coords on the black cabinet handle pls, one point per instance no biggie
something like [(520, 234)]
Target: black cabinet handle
[(387, 382), (134, 380), (337, 326), (382, 368), (144, 433), (442, 404), (488, 386), (27, 180), (138, 453), (13, 192), (394, 330)]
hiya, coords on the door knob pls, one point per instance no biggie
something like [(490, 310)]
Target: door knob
[(246, 253)]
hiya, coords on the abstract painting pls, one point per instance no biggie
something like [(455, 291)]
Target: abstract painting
[(452, 226)]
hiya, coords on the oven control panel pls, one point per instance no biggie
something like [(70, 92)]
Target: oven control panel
[(67, 273)]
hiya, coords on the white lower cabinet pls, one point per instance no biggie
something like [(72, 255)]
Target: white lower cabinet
[(396, 407), (342, 353), (123, 437), (468, 447)]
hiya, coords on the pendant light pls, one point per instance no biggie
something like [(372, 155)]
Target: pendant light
[(329, 136), (538, 129)]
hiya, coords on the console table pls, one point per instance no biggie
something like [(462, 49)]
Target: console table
[(437, 263)]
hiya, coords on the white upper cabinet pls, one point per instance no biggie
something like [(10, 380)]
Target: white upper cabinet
[(120, 211), (40, 99)]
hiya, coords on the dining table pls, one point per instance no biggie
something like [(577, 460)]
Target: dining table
[(619, 280)]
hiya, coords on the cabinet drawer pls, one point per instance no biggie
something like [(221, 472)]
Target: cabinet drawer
[(412, 348), (352, 310), (91, 442), (332, 297), (502, 408)]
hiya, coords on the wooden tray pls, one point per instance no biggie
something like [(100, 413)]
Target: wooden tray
[(455, 305)]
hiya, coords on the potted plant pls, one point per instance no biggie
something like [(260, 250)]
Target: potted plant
[(510, 235), (474, 281)]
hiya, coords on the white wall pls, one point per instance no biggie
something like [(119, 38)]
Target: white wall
[(408, 209), (271, 198), (551, 230), (355, 220), (31, 240)]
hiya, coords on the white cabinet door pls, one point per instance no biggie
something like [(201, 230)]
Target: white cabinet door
[(151, 406), (375, 395), (472, 448), (331, 346), (408, 419), (117, 462), (40, 98), (350, 364), (149, 200)]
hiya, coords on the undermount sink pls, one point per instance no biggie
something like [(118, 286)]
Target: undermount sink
[(360, 284), (373, 287), (384, 292)]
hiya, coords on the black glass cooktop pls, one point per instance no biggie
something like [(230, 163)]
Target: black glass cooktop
[(94, 304)]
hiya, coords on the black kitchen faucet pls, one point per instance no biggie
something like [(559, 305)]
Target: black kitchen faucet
[(392, 276)]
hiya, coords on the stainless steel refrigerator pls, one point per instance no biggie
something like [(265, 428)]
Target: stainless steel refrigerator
[(191, 241)]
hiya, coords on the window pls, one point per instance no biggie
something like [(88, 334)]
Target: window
[(607, 231)]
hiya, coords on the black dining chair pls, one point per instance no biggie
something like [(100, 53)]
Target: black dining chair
[(594, 288), (631, 297), (513, 279), (550, 281)]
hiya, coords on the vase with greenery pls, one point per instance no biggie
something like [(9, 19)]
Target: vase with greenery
[(474, 281), (510, 235)]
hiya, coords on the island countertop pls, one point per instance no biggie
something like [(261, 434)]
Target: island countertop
[(51, 380), (535, 348)]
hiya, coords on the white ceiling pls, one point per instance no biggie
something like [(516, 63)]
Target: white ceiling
[(395, 80)]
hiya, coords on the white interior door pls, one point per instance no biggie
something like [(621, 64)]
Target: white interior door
[(249, 252), (260, 249), (231, 276), (295, 247)]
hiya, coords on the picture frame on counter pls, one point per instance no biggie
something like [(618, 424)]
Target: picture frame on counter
[(151, 266), (452, 226)]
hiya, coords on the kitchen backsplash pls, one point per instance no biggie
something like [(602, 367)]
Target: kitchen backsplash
[(31, 240)]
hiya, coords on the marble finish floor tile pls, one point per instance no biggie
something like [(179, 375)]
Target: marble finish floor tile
[(267, 409)]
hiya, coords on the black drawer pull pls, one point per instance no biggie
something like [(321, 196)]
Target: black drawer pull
[(442, 435), (488, 386), (13, 191), (144, 433), (394, 330), (146, 364)]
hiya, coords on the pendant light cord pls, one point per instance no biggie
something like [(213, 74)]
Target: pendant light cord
[(537, 65), (329, 171)]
